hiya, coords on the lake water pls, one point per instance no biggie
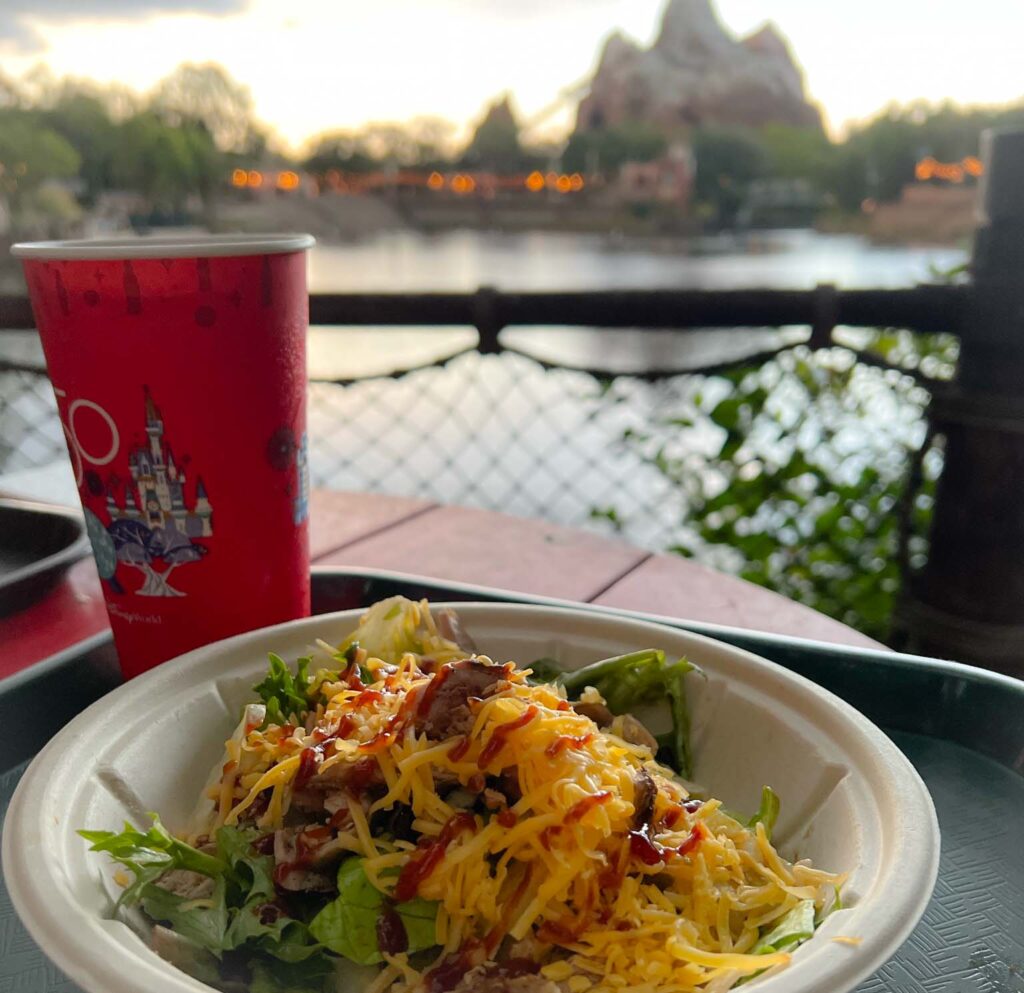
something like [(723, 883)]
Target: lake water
[(502, 431), (464, 260)]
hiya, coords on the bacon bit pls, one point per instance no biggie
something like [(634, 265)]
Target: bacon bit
[(287, 730), (458, 751), (339, 818), (499, 736), (508, 819), (476, 783), (581, 808), (692, 806), (671, 816), (623, 926), (564, 741), (423, 863), (695, 837)]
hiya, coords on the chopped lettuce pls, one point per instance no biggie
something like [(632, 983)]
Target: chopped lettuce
[(284, 694), (241, 910), (768, 812), (150, 854), (629, 681), (207, 926), (394, 626), (796, 926), (348, 925), (280, 977)]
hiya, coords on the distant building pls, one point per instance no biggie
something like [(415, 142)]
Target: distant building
[(156, 496), (667, 180)]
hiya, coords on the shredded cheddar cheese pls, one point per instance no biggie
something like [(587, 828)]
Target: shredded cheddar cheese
[(677, 904)]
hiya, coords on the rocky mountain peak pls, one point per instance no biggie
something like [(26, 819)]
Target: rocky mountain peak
[(691, 28), (697, 73)]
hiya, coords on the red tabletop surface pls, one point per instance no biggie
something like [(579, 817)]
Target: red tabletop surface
[(471, 546)]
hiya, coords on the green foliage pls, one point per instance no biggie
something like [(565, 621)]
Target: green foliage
[(30, 153), (801, 489), (206, 95), (728, 160), (878, 159), (495, 143), (798, 153), (606, 150), (85, 123), (164, 162)]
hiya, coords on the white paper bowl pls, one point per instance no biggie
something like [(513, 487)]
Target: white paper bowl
[(850, 800)]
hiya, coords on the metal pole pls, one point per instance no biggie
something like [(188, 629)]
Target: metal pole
[(967, 602)]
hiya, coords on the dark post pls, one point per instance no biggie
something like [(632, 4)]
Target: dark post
[(967, 603)]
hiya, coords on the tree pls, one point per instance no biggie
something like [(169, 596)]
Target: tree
[(728, 160), (83, 120), (606, 150), (495, 143), (30, 153), (343, 150), (139, 546), (206, 93), (162, 162), (798, 153)]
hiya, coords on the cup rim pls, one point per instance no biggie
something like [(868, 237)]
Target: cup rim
[(163, 247)]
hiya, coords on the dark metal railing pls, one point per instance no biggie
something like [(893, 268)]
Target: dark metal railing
[(967, 602)]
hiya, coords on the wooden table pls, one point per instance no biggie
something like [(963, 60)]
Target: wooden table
[(471, 546)]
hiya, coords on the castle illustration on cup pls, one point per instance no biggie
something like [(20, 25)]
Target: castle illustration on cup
[(153, 525)]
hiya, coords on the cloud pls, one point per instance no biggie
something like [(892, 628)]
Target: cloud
[(18, 29)]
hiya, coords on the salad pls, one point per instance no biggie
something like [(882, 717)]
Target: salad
[(401, 814)]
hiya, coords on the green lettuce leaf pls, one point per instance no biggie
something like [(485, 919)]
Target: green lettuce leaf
[(768, 812), (348, 925), (205, 926), (630, 681), (282, 977), (150, 854), (285, 695), (796, 926), (251, 874)]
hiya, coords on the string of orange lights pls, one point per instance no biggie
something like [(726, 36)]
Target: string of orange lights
[(952, 172), (460, 183)]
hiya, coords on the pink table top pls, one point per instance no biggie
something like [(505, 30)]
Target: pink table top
[(480, 547)]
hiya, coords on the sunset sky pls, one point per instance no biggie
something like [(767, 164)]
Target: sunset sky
[(318, 64)]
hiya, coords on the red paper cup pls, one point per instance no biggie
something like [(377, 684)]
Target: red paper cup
[(180, 373)]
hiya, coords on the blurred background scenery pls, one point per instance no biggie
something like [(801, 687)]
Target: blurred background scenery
[(587, 144)]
